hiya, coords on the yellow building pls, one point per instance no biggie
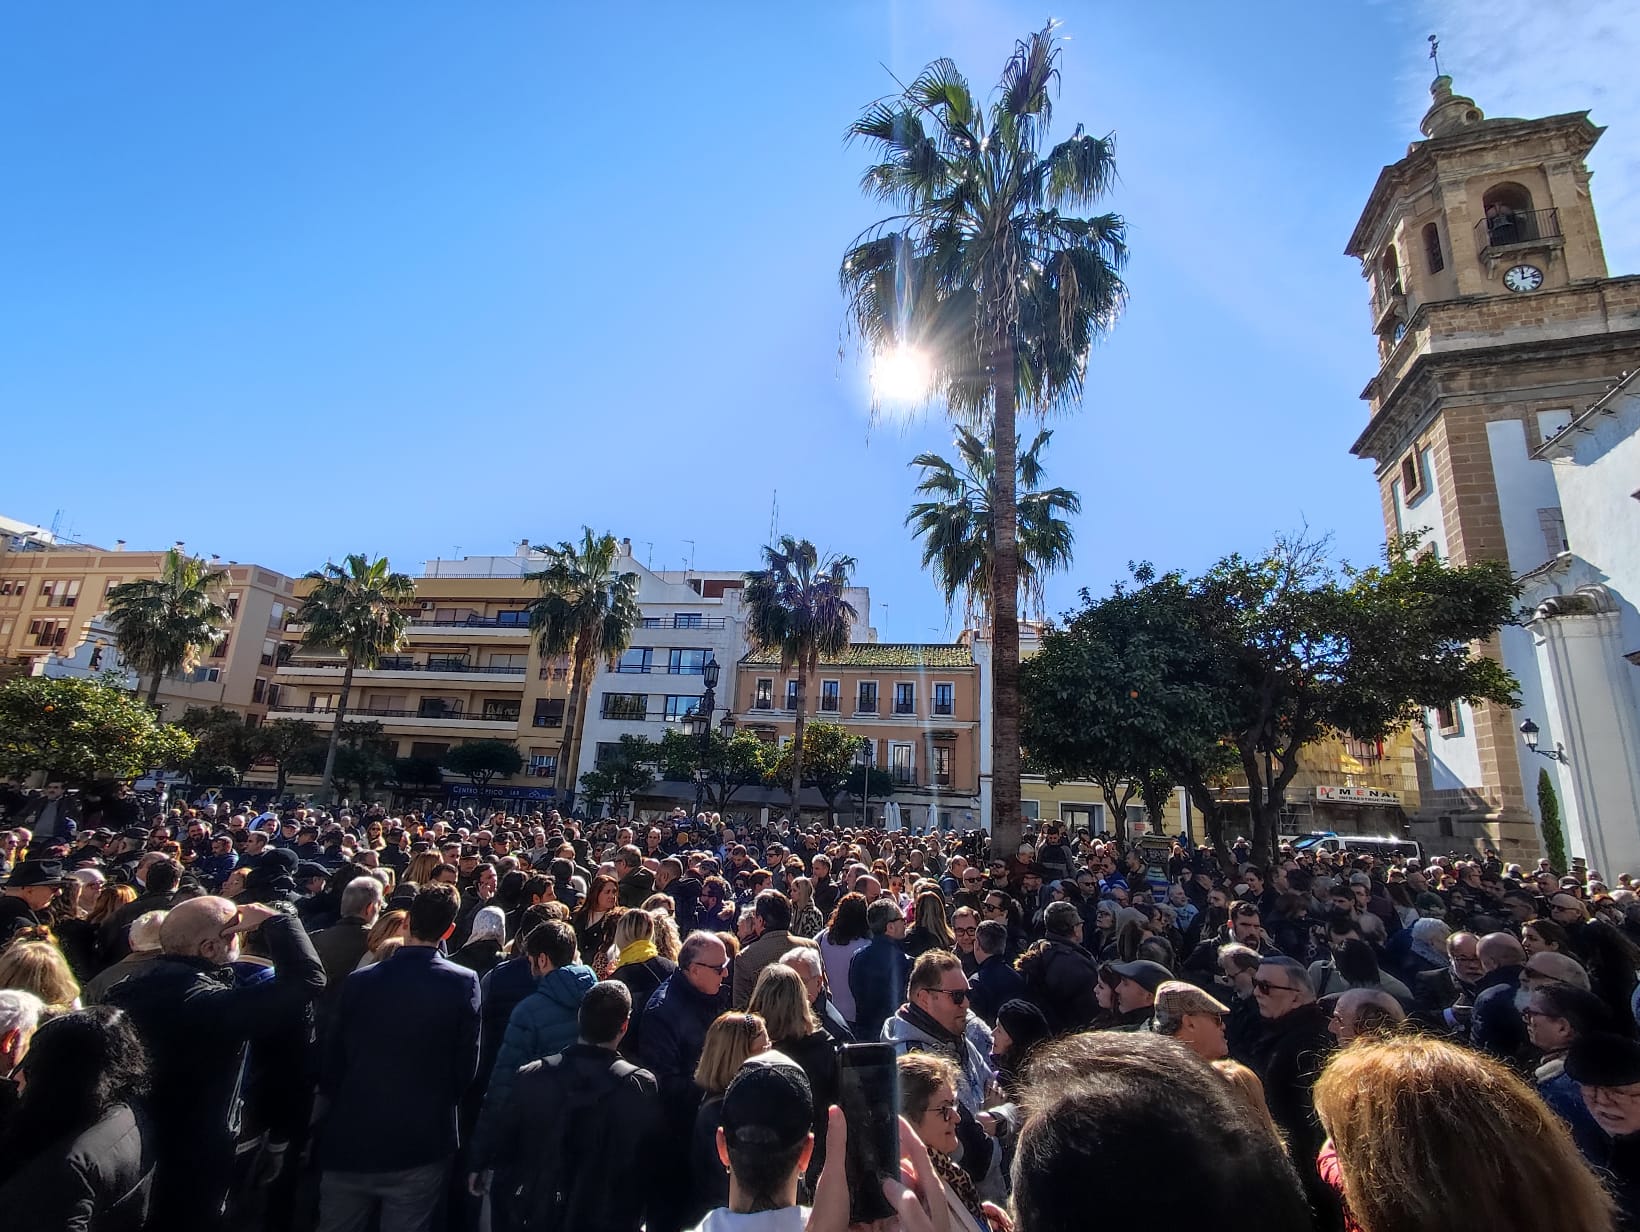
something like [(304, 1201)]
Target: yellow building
[(468, 671), (51, 595)]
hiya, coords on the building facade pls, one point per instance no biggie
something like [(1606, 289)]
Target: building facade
[(1496, 323), (52, 598), (917, 706)]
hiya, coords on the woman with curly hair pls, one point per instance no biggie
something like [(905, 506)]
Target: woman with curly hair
[(844, 937), (38, 966)]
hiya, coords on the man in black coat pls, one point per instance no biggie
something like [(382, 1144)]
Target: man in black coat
[(198, 1026), (1607, 1070), (878, 974), (1059, 975), (26, 898), (995, 982), (576, 1168)]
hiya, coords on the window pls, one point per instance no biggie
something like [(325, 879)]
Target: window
[(1449, 719), (1031, 810), (677, 706), (1432, 248), (942, 765), (220, 650), (508, 662), (447, 663), (1553, 524), (438, 708), (791, 695), (549, 712), (830, 695), (427, 750), (270, 648), (5, 586), (686, 620), (1083, 816), (865, 701), (48, 632), (501, 709), (516, 616), (638, 659), (607, 749), (1412, 476), (232, 605), (944, 698), (259, 690), (905, 698), (1509, 215), (203, 675), (632, 707), (68, 594), (543, 764), (687, 662), (763, 694), (396, 663), (902, 766), (97, 658), (273, 695)]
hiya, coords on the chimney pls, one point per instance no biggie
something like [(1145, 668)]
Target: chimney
[(119, 545), (626, 547), (523, 547), (177, 545)]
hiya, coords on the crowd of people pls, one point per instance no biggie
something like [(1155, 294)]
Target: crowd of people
[(339, 1018)]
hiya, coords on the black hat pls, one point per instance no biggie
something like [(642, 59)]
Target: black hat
[(307, 868), (135, 834), (1148, 975), (1602, 1060), (1025, 1025), (277, 862), (768, 1105), (35, 873)]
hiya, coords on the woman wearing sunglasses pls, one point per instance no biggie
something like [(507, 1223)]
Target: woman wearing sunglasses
[(928, 1102)]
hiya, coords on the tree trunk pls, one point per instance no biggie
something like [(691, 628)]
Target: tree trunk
[(153, 692), (1207, 804), (574, 711), (279, 776), (336, 732), (797, 739), (1007, 822)]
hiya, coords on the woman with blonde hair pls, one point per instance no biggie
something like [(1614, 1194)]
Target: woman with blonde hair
[(1425, 1136), (729, 1041), (667, 940), (389, 926), (930, 929), (1246, 1087), (40, 968), (639, 965), (782, 1001), (806, 917), (421, 866)]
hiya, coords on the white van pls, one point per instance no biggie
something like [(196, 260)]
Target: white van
[(1386, 849)]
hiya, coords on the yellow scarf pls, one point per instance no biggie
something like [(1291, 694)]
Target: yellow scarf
[(638, 951)]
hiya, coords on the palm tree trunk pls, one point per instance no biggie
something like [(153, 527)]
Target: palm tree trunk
[(336, 732), (153, 692), (575, 719), (1006, 818), (797, 739)]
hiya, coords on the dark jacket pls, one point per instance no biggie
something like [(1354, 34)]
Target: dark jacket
[(993, 986), (543, 1024), (1059, 977), (817, 1054), (340, 947), (1288, 1055), (501, 990), (641, 980), (832, 1021), (708, 1182), (577, 1167), (636, 886), (197, 1025), (674, 1032), (1496, 1025), (479, 957), (402, 1050), (877, 976), (100, 1179)]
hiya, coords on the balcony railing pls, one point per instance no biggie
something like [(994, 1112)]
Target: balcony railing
[(432, 665), (681, 622), (471, 622), (1516, 227), (362, 712)]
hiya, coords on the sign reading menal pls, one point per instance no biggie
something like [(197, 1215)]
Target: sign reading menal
[(1357, 795)]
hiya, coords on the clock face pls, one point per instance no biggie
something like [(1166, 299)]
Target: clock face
[(1523, 278)]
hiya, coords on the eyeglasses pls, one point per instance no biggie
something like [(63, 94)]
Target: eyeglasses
[(972, 880), (1529, 1013), (723, 970), (946, 1112), (1612, 1095), (966, 932), (1266, 987), (959, 996)]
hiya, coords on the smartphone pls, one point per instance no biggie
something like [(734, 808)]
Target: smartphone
[(869, 1086)]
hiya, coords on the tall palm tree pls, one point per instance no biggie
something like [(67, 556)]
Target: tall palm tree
[(957, 527), (795, 605), (355, 608), (587, 610), (1000, 293), (163, 624)]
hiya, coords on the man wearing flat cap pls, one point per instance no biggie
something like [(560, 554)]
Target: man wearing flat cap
[(1607, 1071), (27, 895)]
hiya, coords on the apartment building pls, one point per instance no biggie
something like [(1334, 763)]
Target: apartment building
[(51, 596), (469, 670), (916, 704)]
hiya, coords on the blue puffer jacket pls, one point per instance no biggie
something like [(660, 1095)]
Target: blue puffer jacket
[(542, 1025)]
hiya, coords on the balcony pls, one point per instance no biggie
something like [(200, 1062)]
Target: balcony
[(681, 622), (504, 626), (1514, 229), (409, 669), (403, 716)]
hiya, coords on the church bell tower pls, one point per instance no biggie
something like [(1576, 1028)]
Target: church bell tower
[(1495, 322)]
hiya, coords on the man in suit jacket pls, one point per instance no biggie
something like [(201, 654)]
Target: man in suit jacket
[(402, 1049)]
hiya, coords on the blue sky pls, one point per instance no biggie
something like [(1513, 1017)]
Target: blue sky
[(291, 281)]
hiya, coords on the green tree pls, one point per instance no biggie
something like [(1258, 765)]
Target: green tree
[(982, 273), (417, 772), (796, 608), (958, 529), (828, 760), (162, 625), (80, 730), (621, 773), (587, 610), (482, 760), (354, 609), (224, 749), (1554, 834), (364, 757), (293, 746), (732, 763)]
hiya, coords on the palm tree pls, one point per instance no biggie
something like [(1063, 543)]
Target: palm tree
[(587, 610), (1001, 295), (163, 624), (957, 526), (356, 609), (796, 606)]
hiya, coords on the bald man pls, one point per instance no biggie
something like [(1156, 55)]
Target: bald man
[(197, 1024), (1496, 1026), (1365, 1011)]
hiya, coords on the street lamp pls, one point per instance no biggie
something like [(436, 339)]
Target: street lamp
[(698, 723), (1530, 731)]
